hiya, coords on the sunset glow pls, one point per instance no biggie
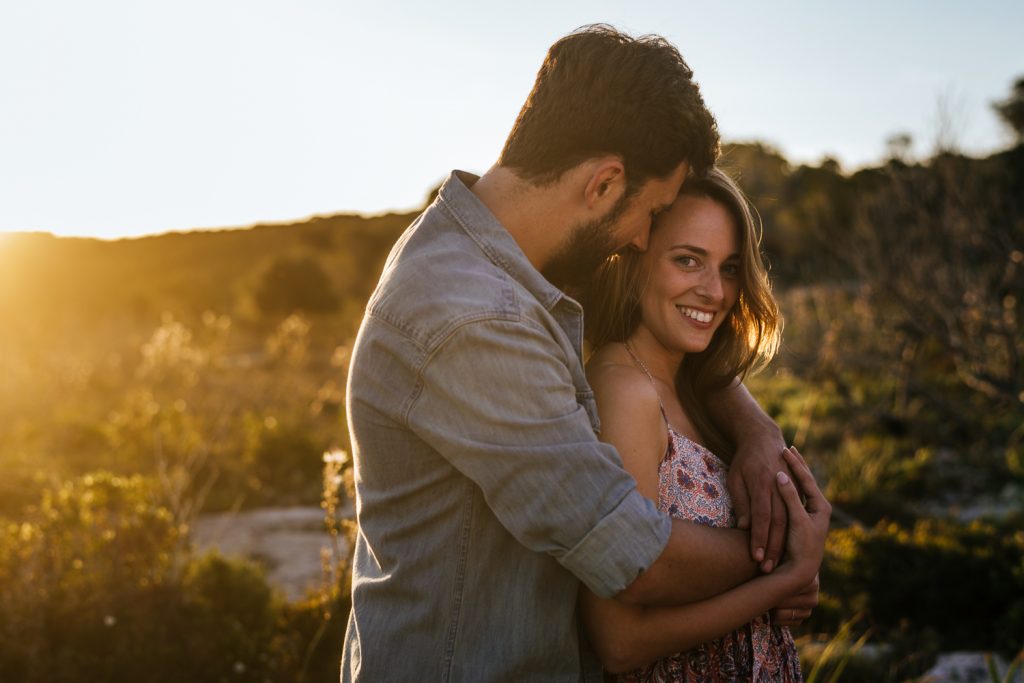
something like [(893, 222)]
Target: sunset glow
[(127, 118)]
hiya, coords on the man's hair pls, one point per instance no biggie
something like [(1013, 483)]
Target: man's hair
[(601, 92)]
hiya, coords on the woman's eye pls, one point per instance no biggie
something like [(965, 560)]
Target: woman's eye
[(686, 261), (731, 270)]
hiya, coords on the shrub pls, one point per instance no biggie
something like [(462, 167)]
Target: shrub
[(98, 584), (960, 583), (296, 284)]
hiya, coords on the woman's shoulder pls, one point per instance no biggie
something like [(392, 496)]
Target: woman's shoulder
[(631, 417), (616, 380)]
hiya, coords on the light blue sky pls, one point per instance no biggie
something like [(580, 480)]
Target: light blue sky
[(124, 117)]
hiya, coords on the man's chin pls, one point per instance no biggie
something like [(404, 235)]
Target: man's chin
[(588, 246)]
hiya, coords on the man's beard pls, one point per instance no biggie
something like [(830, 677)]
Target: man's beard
[(586, 248)]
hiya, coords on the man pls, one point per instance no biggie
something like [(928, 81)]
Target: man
[(483, 495)]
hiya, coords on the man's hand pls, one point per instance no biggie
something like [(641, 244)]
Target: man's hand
[(809, 517), (793, 610), (755, 496), (758, 456)]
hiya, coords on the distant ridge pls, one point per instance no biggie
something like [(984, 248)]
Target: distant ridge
[(43, 275)]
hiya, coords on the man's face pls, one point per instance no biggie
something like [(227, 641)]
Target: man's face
[(627, 224)]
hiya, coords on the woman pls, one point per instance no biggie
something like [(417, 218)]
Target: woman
[(684, 318)]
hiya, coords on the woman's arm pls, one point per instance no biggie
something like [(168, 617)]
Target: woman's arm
[(626, 636), (699, 561)]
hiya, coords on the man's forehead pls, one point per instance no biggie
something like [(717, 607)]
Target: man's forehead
[(672, 184), (662, 192), (678, 176)]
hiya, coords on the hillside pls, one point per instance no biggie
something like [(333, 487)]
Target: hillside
[(44, 277)]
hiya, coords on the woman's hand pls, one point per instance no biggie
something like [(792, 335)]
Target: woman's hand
[(793, 610), (808, 522)]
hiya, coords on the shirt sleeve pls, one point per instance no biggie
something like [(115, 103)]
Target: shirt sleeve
[(498, 402)]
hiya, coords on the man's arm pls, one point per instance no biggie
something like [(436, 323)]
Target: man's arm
[(699, 562), (497, 400), (758, 457)]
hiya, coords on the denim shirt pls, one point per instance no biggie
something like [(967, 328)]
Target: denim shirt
[(483, 497)]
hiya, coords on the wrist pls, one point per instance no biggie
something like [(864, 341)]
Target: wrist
[(765, 428), (782, 584), (759, 433), (796, 574)]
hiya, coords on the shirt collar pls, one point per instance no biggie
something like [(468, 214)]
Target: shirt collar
[(493, 238)]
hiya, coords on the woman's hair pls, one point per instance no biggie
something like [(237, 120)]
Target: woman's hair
[(746, 340)]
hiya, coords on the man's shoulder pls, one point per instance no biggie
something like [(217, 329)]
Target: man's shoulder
[(438, 278)]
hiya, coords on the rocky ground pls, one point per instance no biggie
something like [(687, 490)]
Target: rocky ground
[(286, 542), (970, 667)]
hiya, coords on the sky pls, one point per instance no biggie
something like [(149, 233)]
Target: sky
[(132, 117)]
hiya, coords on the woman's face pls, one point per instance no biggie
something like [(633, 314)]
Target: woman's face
[(693, 269)]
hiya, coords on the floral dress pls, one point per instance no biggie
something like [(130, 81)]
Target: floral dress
[(692, 486)]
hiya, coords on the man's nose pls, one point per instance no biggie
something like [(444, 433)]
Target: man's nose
[(642, 239)]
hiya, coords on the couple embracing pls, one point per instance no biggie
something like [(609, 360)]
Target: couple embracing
[(524, 516)]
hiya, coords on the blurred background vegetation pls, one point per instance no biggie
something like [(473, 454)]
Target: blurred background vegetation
[(147, 381)]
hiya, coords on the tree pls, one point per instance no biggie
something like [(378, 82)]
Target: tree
[(949, 122), (899, 147), (296, 284), (938, 249), (1011, 110)]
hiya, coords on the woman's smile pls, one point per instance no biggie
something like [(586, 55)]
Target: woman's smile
[(697, 315), (692, 267)]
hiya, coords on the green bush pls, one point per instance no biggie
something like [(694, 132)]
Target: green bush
[(296, 284), (960, 584), (280, 463), (99, 584)]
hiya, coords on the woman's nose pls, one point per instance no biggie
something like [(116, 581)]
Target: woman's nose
[(711, 286)]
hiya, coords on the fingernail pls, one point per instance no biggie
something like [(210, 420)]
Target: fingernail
[(783, 479), (759, 554), (767, 566)]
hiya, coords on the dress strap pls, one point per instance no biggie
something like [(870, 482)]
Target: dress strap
[(647, 372)]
